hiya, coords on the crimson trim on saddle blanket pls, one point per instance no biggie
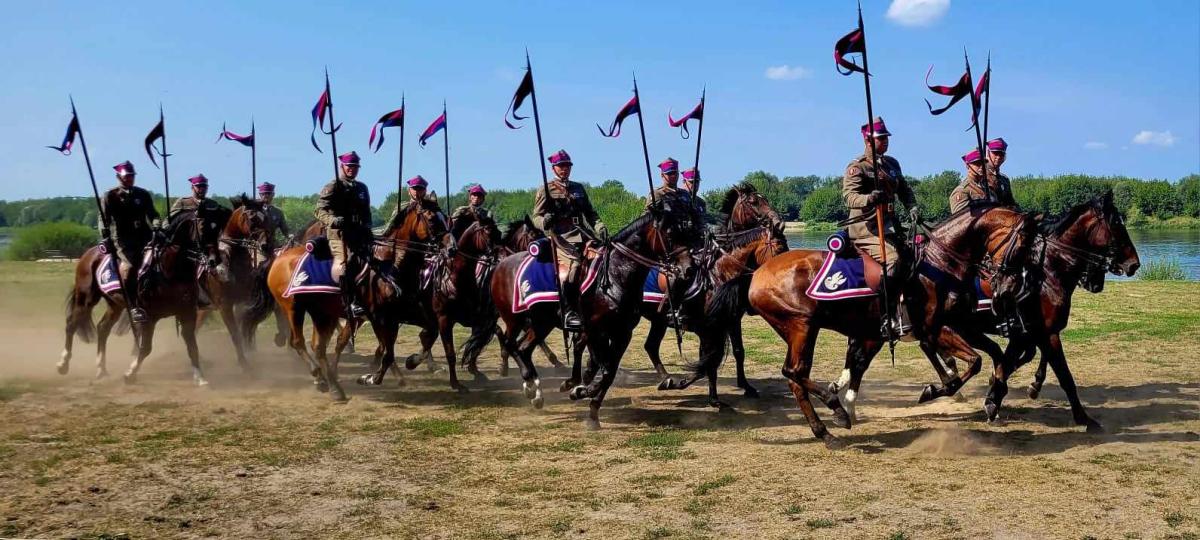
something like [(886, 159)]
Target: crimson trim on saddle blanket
[(839, 295), (106, 275), (520, 305)]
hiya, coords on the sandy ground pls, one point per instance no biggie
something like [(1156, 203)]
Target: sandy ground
[(268, 457)]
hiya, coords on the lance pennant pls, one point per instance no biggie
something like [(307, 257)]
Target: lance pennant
[(392, 119), (959, 90), (437, 125), (681, 123), (631, 108), (524, 90), (155, 134), (854, 42), (245, 140), (69, 139)]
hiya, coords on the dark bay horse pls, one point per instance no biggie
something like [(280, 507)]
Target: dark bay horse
[(1075, 249), (997, 239), (242, 243), (743, 209), (735, 257), (167, 287)]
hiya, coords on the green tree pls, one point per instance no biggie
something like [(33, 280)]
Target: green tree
[(933, 193), (1189, 195), (824, 204), (1158, 199)]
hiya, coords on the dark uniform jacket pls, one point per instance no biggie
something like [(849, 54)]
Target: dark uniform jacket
[(570, 206), (475, 212), (347, 199), (131, 213), (183, 204), (859, 182), (275, 222)]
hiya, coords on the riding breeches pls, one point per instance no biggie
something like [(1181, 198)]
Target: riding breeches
[(871, 246), (338, 247)]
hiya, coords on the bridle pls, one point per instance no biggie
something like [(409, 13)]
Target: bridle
[(988, 267), (771, 243)]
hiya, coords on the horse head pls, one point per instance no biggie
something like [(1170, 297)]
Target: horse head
[(519, 234), (480, 237), (1096, 232), (247, 227), (671, 231), (996, 242), (746, 208)]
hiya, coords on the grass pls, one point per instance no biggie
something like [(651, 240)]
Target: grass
[(1166, 269), (434, 427), (662, 445), (820, 523), (711, 485)]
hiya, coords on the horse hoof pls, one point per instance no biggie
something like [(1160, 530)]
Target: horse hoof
[(479, 376), (461, 389), (1094, 427), (591, 424), (63, 368), (280, 340), (130, 378), (412, 361), (1034, 391), (538, 402), (529, 390), (834, 388), (841, 418), (833, 443), (365, 380), (750, 392), (340, 399), (991, 410), (577, 394), (928, 394), (201, 383), (503, 371), (322, 386), (717, 404), (666, 384), (101, 374)]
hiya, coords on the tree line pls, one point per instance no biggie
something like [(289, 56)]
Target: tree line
[(810, 199)]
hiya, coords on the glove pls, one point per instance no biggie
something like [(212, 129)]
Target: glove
[(601, 230), (876, 197), (338, 223), (914, 214)]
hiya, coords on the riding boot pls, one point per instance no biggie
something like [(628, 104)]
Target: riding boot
[(350, 296), (137, 314), (571, 319), (898, 325)]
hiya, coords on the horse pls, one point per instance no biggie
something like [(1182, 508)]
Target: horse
[(1074, 249), (167, 288), (744, 209), (735, 257), (995, 240), (242, 244)]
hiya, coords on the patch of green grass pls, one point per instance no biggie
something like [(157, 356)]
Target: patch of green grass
[(566, 446), (1174, 518), (664, 445), (793, 510), (654, 533), (697, 506), (820, 523), (434, 427), (561, 525), (899, 535), (1165, 269), (706, 487)]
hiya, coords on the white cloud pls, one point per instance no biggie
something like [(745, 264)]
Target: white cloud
[(787, 73), (1093, 145), (917, 12), (1157, 138)]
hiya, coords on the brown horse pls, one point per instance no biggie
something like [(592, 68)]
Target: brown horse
[(1074, 249), (995, 239), (167, 287), (743, 209), (242, 244)]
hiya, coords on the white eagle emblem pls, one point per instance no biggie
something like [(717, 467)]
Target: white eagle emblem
[(835, 281), (525, 286), (106, 275), (300, 278)]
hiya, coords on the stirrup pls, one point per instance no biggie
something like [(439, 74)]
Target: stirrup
[(137, 315), (356, 310), (572, 321), (676, 319)]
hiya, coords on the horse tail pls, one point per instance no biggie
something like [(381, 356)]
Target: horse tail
[(262, 302), (722, 310), (481, 335), (79, 318)]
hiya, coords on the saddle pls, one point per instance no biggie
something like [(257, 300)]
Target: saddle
[(847, 272), (318, 246)]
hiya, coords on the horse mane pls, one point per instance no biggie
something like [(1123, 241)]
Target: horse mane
[(731, 196), (742, 238), (244, 200), (634, 228), (1057, 225), (298, 236), (511, 229), (461, 226)]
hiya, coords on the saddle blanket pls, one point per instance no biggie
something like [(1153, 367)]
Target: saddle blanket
[(106, 275), (651, 292), (983, 295), (312, 276), (839, 279), (535, 282)]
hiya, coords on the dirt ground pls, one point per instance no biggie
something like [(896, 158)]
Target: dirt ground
[(268, 457)]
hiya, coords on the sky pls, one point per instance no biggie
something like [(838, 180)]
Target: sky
[(1097, 87)]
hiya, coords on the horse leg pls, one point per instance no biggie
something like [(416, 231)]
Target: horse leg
[(103, 330), (296, 338), (1039, 376), (658, 329), (145, 343), (79, 314), (282, 329), (187, 329), (446, 332), (859, 353), (1001, 370), (801, 342), (505, 350), (1052, 352), (739, 356), (235, 335), (550, 356), (531, 385), (950, 343), (323, 327), (427, 336)]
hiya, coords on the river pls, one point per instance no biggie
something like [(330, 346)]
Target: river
[(1182, 245)]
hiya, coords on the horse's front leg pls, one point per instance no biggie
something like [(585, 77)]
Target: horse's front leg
[(145, 345)]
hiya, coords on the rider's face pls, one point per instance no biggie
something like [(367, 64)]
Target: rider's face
[(881, 144), (127, 179), (267, 197), (476, 199), (200, 191), (350, 170), (563, 171), (416, 193), (671, 178), (975, 169), (996, 159)]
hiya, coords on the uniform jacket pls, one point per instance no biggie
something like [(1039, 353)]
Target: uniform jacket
[(859, 182)]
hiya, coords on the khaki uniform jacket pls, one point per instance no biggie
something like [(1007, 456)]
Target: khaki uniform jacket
[(857, 185), (571, 208), (664, 192), (971, 190), (347, 199), (475, 212), (191, 203), (131, 213)]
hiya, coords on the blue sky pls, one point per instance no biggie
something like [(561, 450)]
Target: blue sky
[(1101, 87)]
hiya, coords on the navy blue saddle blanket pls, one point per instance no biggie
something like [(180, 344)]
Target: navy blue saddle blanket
[(983, 297), (535, 282), (839, 279), (651, 292)]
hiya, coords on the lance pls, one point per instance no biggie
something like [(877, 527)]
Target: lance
[(446, 151), (987, 102), (875, 173), (253, 161), (537, 124), (400, 166), (332, 124), (163, 154), (987, 188), (645, 150), (699, 135), (104, 218)]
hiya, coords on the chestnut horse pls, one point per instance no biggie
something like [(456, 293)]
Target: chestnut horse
[(167, 288), (996, 239), (243, 244), (1074, 249)]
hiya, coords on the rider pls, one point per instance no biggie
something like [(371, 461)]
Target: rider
[(669, 190), (199, 203), (344, 206), (974, 190), (131, 219), (691, 184), (566, 215), (275, 220), (997, 152), (863, 195), (474, 210), (416, 195)]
